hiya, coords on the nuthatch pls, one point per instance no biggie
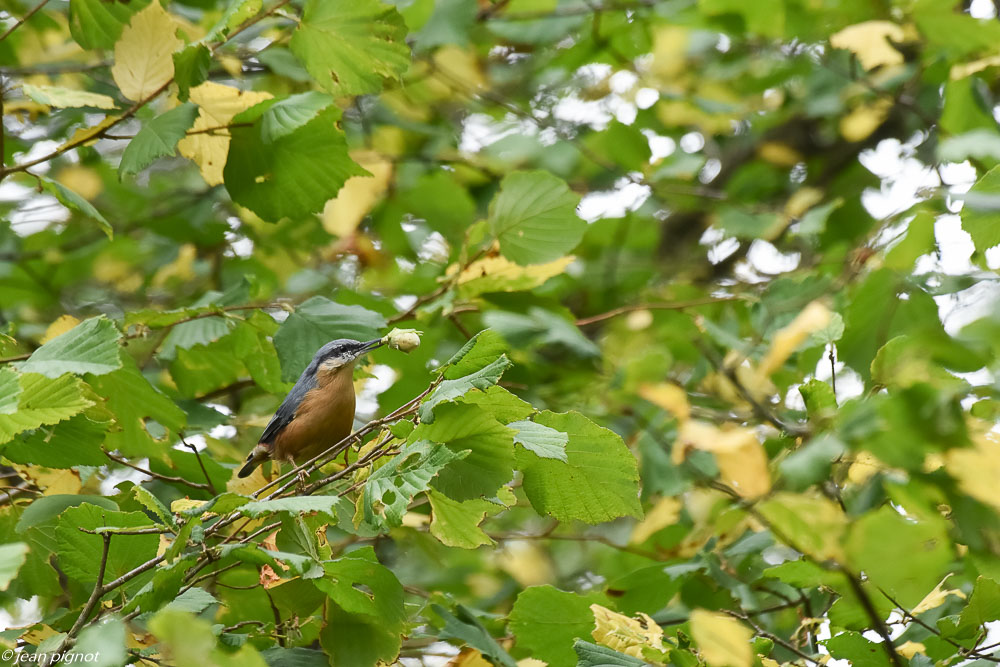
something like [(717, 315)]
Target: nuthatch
[(319, 410)]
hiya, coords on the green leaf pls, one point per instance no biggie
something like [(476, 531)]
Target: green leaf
[(153, 504), (295, 657), (364, 624), (97, 24), (80, 553), (821, 403), (598, 482), (100, 645), (982, 222), (464, 626), (316, 322), (456, 524), (389, 490), (236, 13), (449, 390), (283, 117), (349, 47), (593, 655), (478, 352), (73, 442), (43, 401), (133, 401), (904, 557), (291, 176), (72, 200), (89, 347), (534, 218), (546, 620), (811, 463), (546, 442), (12, 557), (190, 69), (503, 405), (489, 461), (861, 652), (157, 138), (983, 606), (10, 390), (62, 98), (296, 505), (919, 240)]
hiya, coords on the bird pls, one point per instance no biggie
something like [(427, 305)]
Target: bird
[(319, 410)]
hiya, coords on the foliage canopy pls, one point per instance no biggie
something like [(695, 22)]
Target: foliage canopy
[(705, 376)]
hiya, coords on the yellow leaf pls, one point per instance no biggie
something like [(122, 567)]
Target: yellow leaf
[(62, 324), (741, 458), (526, 562), (936, 597), (802, 200), (908, 649), (670, 44), (869, 41), (865, 465), (143, 53), (623, 634), (87, 135), (51, 481), (531, 662), (499, 274), (962, 70), (665, 512), (815, 524), (217, 106), (360, 194), (865, 119), (977, 468), (722, 640), (185, 504), (181, 269), (82, 180), (779, 154), (459, 68), (469, 657), (813, 317), (670, 397)]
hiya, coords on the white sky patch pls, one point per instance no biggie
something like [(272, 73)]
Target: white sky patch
[(613, 203), (646, 97), (367, 405)]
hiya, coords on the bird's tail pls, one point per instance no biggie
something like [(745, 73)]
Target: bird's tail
[(257, 455)]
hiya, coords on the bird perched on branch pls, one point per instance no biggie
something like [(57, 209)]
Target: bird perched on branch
[(319, 410)]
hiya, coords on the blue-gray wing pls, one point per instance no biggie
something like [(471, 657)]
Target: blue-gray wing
[(285, 413)]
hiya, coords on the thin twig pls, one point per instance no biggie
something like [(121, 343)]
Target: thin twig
[(876, 619), (201, 464), (95, 595), (166, 478), (34, 10), (975, 652), (674, 305)]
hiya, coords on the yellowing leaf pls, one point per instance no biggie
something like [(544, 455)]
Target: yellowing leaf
[(143, 53), (526, 562), (62, 324), (977, 469), (455, 65), (869, 41), (181, 268), (53, 482), (865, 119), (670, 397), (802, 200), (865, 465), (499, 274), (741, 458), (962, 70), (670, 43), (623, 634), (779, 154), (723, 641), (665, 512), (358, 196), (87, 135), (62, 98), (813, 317), (217, 106), (908, 649), (936, 597), (82, 180)]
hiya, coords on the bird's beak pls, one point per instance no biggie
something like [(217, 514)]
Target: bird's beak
[(370, 345)]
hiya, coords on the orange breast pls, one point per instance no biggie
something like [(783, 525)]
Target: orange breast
[(324, 418)]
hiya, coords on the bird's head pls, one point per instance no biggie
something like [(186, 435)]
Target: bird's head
[(342, 353)]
